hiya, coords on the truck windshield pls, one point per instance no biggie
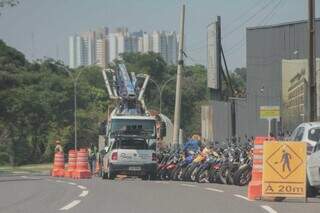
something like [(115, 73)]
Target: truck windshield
[(147, 126)]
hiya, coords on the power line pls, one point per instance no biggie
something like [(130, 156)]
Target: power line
[(241, 42), (245, 13), (264, 21), (237, 45), (198, 48), (248, 19), (188, 56), (235, 20), (269, 15)]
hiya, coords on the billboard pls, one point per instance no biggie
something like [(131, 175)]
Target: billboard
[(212, 57), (294, 93)]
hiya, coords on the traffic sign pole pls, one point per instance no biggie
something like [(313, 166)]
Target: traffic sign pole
[(269, 126)]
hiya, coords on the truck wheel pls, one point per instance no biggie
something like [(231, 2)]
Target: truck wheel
[(111, 175)]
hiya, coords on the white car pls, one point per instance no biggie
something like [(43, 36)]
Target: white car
[(313, 171), (310, 133), (129, 155), (307, 132)]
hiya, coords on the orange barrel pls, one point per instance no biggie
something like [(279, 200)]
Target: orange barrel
[(72, 163), (255, 185), (82, 166), (58, 165)]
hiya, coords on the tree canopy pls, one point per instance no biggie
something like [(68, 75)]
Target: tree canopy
[(36, 101)]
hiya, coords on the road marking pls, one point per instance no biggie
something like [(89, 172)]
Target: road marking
[(24, 176), (82, 187), (243, 197), (84, 193), (268, 209), (70, 205), (213, 189), (59, 181), (188, 185), (72, 183), (164, 182)]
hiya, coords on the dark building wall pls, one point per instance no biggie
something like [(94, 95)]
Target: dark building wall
[(222, 120), (266, 47)]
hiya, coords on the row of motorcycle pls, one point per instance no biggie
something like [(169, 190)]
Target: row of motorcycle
[(230, 165)]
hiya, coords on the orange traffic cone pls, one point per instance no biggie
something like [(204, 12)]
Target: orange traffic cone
[(82, 170), (58, 165), (72, 163), (255, 185)]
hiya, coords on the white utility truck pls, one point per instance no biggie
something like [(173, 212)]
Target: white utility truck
[(131, 135)]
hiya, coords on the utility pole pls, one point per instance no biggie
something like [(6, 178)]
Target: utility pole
[(215, 90), (75, 114), (176, 125), (311, 62)]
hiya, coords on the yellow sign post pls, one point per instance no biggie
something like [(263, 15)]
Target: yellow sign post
[(284, 169), (269, 112)]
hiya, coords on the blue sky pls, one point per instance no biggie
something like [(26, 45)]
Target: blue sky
[(50, 22)]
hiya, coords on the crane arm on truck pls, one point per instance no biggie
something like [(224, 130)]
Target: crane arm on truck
[(123, 86)]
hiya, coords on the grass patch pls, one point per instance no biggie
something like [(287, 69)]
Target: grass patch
[(31, 168)]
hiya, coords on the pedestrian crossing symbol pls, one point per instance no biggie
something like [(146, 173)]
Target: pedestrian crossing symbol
[(284, 161), (284, 169)]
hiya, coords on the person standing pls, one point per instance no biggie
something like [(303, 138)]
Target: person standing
[(58, 147), (92, 151)]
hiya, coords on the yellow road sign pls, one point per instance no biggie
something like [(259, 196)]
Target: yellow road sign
[(269, 112), (284, 169)]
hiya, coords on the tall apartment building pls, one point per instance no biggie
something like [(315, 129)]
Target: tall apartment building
[(82, 49), (113, 46), (165, 44), (102, 52), (101, 47), (147, 43), (172, 48), (72, 52), (89, 39), (102, 32), (159, 44), (140, 45), (78, 51), (134, 42)]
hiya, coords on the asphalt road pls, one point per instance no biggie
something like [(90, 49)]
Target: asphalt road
[(43, 194)]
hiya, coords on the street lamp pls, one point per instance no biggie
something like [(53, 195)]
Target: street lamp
[(159, 88), (162, 88), (74, 81)]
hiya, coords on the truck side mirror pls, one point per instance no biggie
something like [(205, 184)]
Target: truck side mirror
[(163, 129)]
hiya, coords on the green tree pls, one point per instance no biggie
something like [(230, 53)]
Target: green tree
[(8, 3)]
